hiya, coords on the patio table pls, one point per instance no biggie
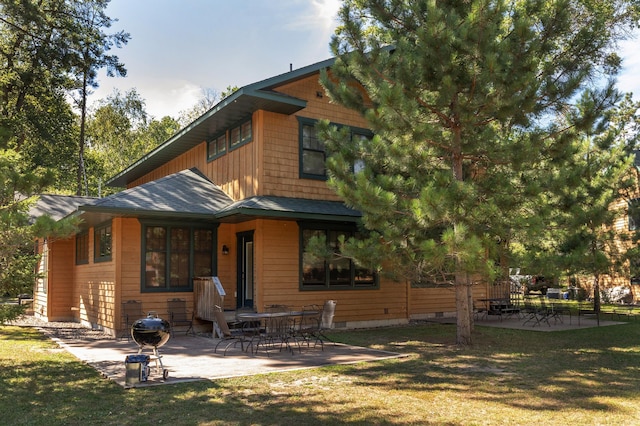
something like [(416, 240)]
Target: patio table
[(282, 324)]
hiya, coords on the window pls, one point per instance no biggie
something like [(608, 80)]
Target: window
[(202, 252), (102, 243), (42, 268), (313, 153), (217, 147), (245, 132), (236, 136), (634, 214), (82, 248), (240, 135), (336, 271), (174, 254)]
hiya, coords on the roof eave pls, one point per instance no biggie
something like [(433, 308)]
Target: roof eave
[(260, 213), (145, 213)]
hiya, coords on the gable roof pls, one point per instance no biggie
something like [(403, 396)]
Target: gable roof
[(228, 112)]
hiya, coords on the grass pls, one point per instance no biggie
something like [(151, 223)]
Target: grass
[(509, 377)]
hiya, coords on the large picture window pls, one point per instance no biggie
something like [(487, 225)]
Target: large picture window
[(102, 243), (313, 154), (333, 271), (174, 255)]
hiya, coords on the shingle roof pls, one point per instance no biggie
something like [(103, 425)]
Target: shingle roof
[(185, 194), (189, 194), (285, 207), (58, 206)]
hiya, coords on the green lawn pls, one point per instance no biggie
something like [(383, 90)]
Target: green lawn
[(509, 377)]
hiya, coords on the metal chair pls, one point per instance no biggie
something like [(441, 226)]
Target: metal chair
[(131, 311), (229, 336), (308, 326), (326, 322), (179, 316), (276, 333)]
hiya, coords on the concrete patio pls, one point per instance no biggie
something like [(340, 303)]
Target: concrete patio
[(565, 322), (192, 358)]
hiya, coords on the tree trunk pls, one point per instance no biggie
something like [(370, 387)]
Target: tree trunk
[(463, 313), (83, 120), (463, 302), (596, 293), (470, 304)]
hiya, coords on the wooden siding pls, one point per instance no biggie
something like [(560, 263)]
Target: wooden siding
[(432, 302), (269, 164), (277, 280), (60, 297), (227, 263), (235, 172), (40, 291), (94, 289)]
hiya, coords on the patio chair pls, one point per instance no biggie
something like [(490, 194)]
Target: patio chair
[(229, 336), (548, 312), (178, 315), (558, 310), (534, 313), (308, 326), (326, 322), (588, 310), (277, 308), (479, 313), (276, 333), (131, 312)]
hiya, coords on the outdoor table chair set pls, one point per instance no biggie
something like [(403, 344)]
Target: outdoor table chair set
[(536, 313), (278, 327), (498, 307)]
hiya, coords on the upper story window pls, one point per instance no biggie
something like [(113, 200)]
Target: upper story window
[(313, 154), (82, 248), (240, 135), (336, 271), (232, 138), (217, 147), (102, 243)]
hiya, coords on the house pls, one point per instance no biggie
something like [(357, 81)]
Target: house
[(236, 194)]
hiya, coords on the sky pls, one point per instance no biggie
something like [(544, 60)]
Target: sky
[(180, 47)]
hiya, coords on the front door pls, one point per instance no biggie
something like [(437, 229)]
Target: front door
[(245, 270)]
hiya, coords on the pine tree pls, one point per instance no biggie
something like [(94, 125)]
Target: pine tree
[(584, 236), (468, 104)]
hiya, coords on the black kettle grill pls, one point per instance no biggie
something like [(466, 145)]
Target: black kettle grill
[(152, 332)]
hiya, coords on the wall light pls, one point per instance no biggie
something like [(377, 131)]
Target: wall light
[(225, 249)]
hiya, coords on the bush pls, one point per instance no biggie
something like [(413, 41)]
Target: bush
[(10, 311)]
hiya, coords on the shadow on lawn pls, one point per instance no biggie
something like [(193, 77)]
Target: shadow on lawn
[(521, 369)]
